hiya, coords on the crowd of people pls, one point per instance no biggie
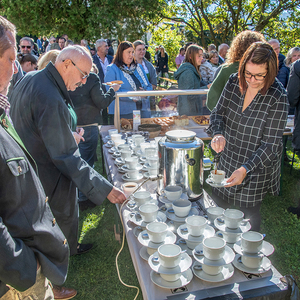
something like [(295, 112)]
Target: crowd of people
[(49, 135)]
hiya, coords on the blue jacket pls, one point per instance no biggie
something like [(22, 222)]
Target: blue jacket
[(127, 105), (284, 72)]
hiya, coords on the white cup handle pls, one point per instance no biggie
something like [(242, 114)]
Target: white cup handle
[(127, 175)]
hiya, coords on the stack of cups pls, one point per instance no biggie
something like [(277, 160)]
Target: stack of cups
[(152, 160), (170, 262), (157, 232), (252, 243), (132, 170), (214, 252), (233, 219)]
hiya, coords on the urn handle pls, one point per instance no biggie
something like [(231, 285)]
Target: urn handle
[(189, 160)]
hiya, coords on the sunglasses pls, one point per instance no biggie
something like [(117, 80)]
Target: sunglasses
[(28, 47)]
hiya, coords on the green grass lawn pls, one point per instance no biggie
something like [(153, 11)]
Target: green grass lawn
[(94, 274)]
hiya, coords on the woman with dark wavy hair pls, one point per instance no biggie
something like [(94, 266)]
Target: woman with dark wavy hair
[(247, 127), (236, 51)]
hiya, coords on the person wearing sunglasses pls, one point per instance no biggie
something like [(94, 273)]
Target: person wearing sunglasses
[(247, 125)]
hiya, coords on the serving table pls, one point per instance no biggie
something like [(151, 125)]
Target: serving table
[(241, 285)]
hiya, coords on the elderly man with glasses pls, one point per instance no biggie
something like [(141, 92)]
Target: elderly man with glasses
[(26, 46), (39, 110)]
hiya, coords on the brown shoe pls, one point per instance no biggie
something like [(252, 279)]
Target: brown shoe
[(61, 292)]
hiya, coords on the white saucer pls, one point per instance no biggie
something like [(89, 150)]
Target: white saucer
[(131, 179), (119, 161), (131, 205), (111, 151), (108, 145), (121, 170), (185, 263), (137, 230), (138, 167), (165, 200), (184, 248), (144, 254), (184, 279), (116, 155), (135, 218), (171, 215), (108, 137), (225, 274), (267, 249), (217, 185), (266, 265), (184, 234), (225, 260), (169, 239), (220, 224)]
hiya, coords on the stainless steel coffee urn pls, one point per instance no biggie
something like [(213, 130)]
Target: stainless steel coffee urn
[(181, 162)]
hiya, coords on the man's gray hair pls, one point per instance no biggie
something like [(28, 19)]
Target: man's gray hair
[(222, 46), (74, 53), (5, 43), (99, 43), (273, 41), (26, 38)]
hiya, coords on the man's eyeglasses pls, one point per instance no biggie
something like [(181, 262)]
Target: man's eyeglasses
[(84, 75), (28, 47), (257, 77)]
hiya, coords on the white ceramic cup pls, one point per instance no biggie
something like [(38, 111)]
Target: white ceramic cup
[(150, 151), (212, 270), (153, 161), (119, 142), (181, 207), (217, 178), (124, 147), (253, 262), (214, 212), (116, 136), (148, 212), (170, 277), (112, 131), (195, 225), (214, 248), (131, 162), (229, 237), (138, 140), (132, 174), (233, 218), (173, 192), (157, 231), (125, 154), (141, 197), (153, 171), (129, 187), (252, 241), (169, 255)]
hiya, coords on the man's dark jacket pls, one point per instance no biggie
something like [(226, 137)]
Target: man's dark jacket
[(28, 230), (293, 89), (283, 72), (41, 118), (101, 75)]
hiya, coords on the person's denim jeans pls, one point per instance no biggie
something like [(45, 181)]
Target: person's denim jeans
[(88, 150)]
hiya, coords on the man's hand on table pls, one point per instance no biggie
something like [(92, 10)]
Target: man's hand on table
[(116, 196)]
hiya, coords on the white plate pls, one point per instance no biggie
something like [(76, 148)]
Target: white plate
[(165, 200), (137, 230), (135, 218), (171, 215), (121, 170), (119, 161), (225, 260), (144, 254), (184, 264), (111, 151), (131, 205), (184, 234), (220, 224), (267, 249), (108, 137), (184, 279), (108, 145), (138, 167), (225, 274), (184, 248), (265, 266), (169, 239), (217, 185), (131, 179)]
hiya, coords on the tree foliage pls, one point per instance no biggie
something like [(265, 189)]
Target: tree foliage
[(218, 21), (88, 19)]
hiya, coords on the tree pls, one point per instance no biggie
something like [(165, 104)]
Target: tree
[(217, 21), (88, 19)]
